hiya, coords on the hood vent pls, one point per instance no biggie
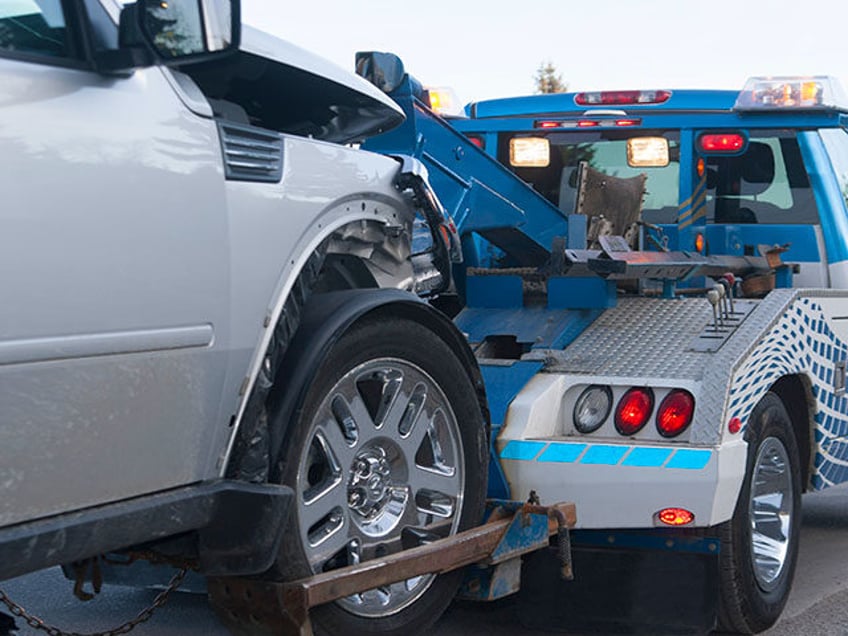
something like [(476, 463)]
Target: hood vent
[(250, 153)]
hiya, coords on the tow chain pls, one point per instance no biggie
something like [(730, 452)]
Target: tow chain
[(144, 615)]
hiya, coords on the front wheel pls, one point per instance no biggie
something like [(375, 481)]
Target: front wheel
[(759, 545), (388, 451)]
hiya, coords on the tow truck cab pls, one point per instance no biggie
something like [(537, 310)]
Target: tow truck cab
[(764, 166)]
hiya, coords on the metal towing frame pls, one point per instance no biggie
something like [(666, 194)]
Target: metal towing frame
[(495, 549)]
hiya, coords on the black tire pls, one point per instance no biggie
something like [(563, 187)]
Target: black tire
[(376, 469), (754, 590)]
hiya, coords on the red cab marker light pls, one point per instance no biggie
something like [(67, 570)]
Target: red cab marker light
[(547, 124), (477, 141), (628, 122), (674, 517), (722, 143), (585, 123), (734, 425)]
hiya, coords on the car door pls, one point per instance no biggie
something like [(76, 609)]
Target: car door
[(113, 275)]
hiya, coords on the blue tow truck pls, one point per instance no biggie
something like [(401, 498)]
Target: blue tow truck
[(654, 285)]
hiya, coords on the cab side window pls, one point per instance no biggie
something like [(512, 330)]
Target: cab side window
[(33, 27)]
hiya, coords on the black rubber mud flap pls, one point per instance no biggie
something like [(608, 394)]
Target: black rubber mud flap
[(620, 592)]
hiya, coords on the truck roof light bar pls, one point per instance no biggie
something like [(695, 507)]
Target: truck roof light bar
[(818, 92)]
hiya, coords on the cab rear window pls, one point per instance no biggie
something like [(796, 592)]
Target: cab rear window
[(766, 184), (606, 152)]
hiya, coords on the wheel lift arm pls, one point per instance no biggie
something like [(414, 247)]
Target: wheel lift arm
[(268, 608)]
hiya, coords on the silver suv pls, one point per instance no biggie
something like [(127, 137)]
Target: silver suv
[(214, 334)]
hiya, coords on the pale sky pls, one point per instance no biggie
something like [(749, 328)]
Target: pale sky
[(492, 49)]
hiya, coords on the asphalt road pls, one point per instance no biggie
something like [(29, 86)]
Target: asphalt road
[(818, 605)]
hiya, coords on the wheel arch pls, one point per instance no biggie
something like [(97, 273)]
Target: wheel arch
[(796, 393), (328, 316), (297, 281)]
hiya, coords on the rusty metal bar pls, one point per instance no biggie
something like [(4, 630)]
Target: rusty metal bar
[(283, 608), (444, 555)]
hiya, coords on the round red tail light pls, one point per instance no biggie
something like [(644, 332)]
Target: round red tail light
[(675, 413), (633, 410)]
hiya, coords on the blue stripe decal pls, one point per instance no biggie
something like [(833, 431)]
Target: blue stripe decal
[(604, 455), (525, 451), (647, 457), (690, 459), (562, 453)]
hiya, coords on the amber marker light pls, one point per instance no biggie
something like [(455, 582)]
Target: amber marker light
[(700, 243), (674, 517)]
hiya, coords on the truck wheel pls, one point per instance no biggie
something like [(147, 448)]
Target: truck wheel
[(759, 545), (387, 452)]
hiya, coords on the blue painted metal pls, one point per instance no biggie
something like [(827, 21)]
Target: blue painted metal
[(578, 292), (563, 103), (523, 450), (494, 292), (527, 532), (647, 457), (491, 583), (665, 540), (502, 384), (783, 277), (576, 231), (500, 575), (482, 195), (689, 459), (606, 454), (536, 327), (562, 453), (696, 106), (828, 195), (733, 239)]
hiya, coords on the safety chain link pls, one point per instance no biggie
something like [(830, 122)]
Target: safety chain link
[(144, 615)]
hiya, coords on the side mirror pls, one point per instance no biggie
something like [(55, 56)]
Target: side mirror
[(182, 31), (383, 70)]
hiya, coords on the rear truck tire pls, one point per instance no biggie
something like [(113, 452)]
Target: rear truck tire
[(386, 452), (759, 545)]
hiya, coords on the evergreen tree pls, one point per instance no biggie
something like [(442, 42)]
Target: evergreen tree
[(548, 80)]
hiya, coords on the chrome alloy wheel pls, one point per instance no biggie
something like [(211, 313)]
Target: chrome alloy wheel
[(383, 471), (770, 512)]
